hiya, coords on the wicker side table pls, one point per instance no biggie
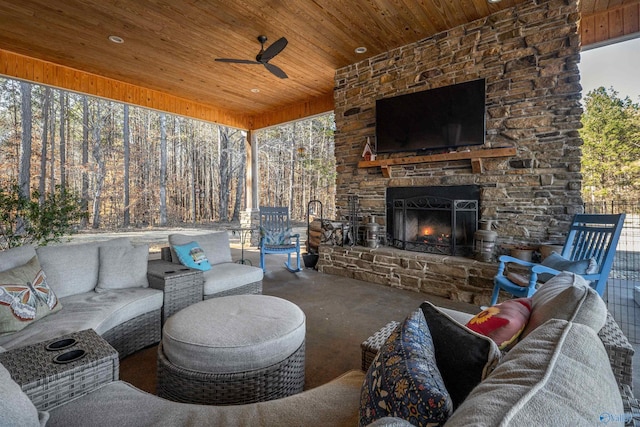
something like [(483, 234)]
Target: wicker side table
[(181, 286), (49, 384), (371, 345)]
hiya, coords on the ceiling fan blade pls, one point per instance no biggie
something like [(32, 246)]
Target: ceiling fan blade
[(237, 61), (274, 49), (277, 71)]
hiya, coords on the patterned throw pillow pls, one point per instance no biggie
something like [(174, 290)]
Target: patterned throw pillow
[(25, 297), (503, 322), (275, 238), (403, 381), (192, 256)]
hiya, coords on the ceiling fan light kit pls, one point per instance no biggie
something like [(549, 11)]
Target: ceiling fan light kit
[(264, 56)]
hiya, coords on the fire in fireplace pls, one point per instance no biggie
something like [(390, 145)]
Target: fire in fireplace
[(439, 220)]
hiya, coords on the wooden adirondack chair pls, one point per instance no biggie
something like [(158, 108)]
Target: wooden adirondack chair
[(591, 236), (276, 236)]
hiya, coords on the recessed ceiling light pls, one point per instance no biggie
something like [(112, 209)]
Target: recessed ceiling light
[(116, 39), (361, 49), (255, 90), (494, 1)]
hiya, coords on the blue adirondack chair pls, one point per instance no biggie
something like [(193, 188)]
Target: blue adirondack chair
[(276, 236), (590, 236)]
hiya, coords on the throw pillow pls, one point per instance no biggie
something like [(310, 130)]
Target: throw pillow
[(464, 357), (403, 381), (567, 296), (503, 322), (122, 267), (25, 297), (276, 238), (558, 262), (192, 256), (559, 375)]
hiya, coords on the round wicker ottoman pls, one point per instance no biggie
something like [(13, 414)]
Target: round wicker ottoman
[(232, 350)]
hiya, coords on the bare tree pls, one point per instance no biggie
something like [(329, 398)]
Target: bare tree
[(85, 157), (63, 151), (127, 159), (46, 103), (163, 169), (24, 180), (98, 156)]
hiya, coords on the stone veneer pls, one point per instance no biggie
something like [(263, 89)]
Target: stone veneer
[(529, 56)]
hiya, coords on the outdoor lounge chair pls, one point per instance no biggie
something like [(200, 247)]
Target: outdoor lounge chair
[(590, 245)]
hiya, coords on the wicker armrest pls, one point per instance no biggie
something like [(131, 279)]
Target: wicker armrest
[(619, 350), (372, 344), (631, 406)]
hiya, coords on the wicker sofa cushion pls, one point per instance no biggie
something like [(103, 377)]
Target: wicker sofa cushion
[(73, 268), (557, 375), (16, 409), (229, 275), (215, 245), (567, 296), (233, 334), (91, 310), (14, 257), (122, 267), (120, 404)]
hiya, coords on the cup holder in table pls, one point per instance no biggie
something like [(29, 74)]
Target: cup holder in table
[(61, 344), (69, 356)]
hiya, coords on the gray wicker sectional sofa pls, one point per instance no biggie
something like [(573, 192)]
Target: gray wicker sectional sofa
[(99, 285)]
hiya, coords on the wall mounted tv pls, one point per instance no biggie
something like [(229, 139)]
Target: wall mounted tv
[(436, 119)]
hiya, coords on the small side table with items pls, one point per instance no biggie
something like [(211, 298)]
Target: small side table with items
[(56, 371), (182, 286)]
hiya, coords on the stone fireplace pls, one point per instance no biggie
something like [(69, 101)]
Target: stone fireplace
[(528, 56), (439, 220)]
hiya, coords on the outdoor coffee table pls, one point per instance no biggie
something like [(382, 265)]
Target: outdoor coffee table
[(232, 350)]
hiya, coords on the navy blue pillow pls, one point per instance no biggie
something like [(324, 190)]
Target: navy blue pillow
[(403, 381)]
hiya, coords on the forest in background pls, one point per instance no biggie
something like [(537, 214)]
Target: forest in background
[(135, 167)]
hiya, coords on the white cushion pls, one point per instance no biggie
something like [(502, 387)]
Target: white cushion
[(234, 333), (229, 275), (73, 269), (90, 310), (123, 267), (558, 375), (15, 257), (215, 245)]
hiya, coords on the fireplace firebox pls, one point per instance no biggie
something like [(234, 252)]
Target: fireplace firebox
[(440, 220)]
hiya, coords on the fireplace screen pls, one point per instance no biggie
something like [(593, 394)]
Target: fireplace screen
[(433, 224)]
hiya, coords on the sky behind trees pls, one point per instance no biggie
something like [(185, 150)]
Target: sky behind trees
[(614, 65)]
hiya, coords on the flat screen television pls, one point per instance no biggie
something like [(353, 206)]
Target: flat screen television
[(435, 119)]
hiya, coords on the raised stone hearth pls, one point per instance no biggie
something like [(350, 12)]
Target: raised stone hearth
[(456, 278)]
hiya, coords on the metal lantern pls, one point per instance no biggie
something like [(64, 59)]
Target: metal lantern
[(484, 241), (371, 232)]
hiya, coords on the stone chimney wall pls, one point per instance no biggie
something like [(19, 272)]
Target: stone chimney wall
[(529, 56)]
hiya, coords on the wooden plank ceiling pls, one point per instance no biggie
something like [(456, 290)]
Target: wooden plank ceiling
[(167, 58)]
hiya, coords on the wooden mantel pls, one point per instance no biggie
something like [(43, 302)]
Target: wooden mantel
[(475, 157)]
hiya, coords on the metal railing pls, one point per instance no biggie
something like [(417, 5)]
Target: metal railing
[(624, 278)]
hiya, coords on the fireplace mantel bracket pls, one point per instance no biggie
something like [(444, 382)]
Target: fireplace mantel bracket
[(474, 156)]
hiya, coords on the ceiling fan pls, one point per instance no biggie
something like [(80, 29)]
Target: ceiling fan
[(264, 56)]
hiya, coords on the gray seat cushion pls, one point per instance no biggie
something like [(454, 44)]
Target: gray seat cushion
[(16, 410), (229, 275), (120, 404), (233, 334), (90, 310)]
